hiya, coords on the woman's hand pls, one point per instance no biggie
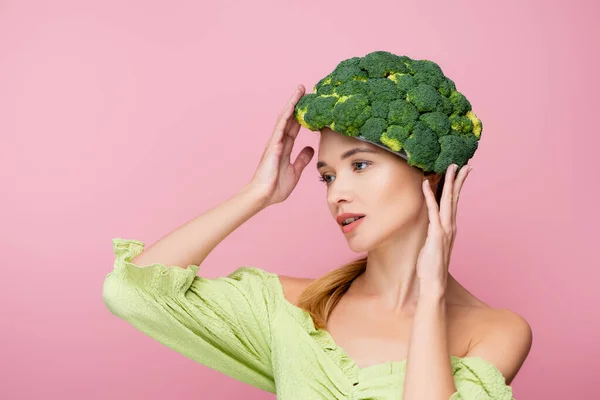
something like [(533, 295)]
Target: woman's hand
[(434, 257), (275, 177)]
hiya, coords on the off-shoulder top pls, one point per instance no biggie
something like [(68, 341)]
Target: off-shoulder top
[(243, 326)]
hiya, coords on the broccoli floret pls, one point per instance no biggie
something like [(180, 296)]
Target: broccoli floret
[(320, 111), (351, 88), (405, 82), (400, 103), (460, 103), (461, 124), (424, 97), (437, 122), (477, 126), (322, 82), (348, 70), (427, 72), (382, 89), (373, 129), (379, 64), (446, 87), (395, 136), (455, 149), (380, 109), (421, 127), (423, 149), (325, 90), (403, 113), (350, 113), (302, 107), (446, 107)]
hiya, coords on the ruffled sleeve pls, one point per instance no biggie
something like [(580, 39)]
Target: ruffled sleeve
[(222, 323), (478, 379)]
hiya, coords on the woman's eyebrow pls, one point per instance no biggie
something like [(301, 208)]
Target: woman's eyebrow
[(347, 154)]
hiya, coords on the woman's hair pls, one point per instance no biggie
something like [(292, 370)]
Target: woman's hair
[(322, 295)]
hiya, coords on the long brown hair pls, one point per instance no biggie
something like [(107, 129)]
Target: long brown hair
[(322, 295)]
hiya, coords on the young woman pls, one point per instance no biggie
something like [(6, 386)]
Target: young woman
[(392, 325)]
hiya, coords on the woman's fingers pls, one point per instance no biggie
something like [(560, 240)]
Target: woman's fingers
[(289, 134), (282, 119), (292, 122), (460, 180), (289, 140), (446, 203), (288, 144), (302, 159), (288, 110), (293, 126), (280, 125)]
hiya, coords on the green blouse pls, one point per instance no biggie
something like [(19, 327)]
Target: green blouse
[(242, 326)]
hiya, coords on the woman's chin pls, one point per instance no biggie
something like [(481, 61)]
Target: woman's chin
[(358, 245), (364, 243)]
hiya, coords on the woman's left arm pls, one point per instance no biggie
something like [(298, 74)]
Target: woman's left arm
[(428, 368), (499, 355), (485, 372)]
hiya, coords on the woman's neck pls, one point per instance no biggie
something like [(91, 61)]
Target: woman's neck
[(391, 275)]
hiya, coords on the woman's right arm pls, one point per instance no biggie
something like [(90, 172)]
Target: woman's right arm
[(223, 323), (191, 243)]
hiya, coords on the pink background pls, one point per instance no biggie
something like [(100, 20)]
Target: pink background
[(127, 119)]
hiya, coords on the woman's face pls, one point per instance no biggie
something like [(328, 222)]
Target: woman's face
[(378, 184)]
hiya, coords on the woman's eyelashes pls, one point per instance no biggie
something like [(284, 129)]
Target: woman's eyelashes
[(323, 178)]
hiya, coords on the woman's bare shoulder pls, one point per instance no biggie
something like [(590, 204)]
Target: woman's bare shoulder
[(485, 320), (480, 310), (499, 317), (293, 287), (479, 316)]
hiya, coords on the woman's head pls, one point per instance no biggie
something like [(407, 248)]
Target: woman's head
[(374, 182), (396, 101)]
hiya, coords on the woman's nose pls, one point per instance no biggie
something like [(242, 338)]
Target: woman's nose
[(338, 193)]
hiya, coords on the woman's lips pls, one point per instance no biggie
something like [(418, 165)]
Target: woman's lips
[(352, 226)]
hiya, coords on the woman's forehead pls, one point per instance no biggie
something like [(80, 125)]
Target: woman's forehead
[(334, 142)]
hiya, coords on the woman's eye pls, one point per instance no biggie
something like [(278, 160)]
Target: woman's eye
[(360, 162), (323, 178)]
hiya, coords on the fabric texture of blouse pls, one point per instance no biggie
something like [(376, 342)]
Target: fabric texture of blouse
[(242, 326)]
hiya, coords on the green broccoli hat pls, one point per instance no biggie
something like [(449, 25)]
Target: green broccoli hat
[(402, 105)]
